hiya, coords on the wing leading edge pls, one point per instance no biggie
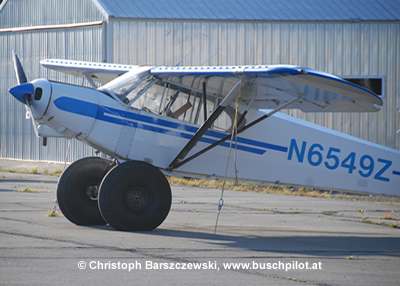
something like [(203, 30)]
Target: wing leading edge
[(98, 72), (275, 85)]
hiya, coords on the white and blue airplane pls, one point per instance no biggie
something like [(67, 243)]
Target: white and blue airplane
[(179, 121)]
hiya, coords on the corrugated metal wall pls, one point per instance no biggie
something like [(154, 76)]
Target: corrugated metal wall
[(17, 137), (28, 13), (340, 48)]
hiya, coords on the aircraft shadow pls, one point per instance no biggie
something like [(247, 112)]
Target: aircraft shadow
[(322, 245)]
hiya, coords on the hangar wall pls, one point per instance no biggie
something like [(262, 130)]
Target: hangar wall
[(32, 44), (340, 48), (28, 13), (18, 139)]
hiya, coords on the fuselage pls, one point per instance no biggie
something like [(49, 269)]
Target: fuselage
[(281, 149)]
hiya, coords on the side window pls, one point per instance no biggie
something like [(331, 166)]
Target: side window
[(183, 104), (151, 100)]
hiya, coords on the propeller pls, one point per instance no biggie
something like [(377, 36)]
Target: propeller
[(24, 91), (19, 71)]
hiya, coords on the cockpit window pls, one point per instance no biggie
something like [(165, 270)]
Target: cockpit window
[(184, 104), (139, 90), (130, 85)]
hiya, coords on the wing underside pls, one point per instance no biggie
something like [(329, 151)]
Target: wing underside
[(272, 86), (266, 87)]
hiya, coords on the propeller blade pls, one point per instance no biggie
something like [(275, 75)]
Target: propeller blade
[(24, 91), (28, 98), (33, 121), (19, 70)]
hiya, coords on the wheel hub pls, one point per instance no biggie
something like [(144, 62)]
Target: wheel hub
[(136, 198), (92, 192)]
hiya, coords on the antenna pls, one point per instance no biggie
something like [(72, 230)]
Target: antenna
[(211, 56), (189, 53)]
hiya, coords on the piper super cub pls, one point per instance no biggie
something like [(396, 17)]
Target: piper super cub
[(182, 121)]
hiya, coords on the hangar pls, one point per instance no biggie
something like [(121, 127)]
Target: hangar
[(357, 40)]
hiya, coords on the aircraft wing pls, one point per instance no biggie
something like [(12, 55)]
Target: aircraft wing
[(273, 86), (98, 72)]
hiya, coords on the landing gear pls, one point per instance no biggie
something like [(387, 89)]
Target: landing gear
[(135, 196), (77, 190)]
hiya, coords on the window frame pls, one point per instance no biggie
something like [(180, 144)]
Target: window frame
[(381, 77)]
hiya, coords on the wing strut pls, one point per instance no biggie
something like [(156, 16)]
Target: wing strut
[(204, 101), (179, 164), (207, 124), (91, 82)]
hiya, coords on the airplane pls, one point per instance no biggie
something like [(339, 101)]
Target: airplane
[(154, 121)]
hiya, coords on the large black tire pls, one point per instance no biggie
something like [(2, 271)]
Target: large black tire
[(77, 190), (135, 196)]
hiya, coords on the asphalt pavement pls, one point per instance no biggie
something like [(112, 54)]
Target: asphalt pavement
[(263, 239)]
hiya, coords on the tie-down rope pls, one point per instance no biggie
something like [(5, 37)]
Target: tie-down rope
[(234, 134)]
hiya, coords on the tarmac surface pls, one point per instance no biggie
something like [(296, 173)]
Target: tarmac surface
[(270, 239)]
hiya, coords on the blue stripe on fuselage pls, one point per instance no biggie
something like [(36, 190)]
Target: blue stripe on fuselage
[(137, 120)]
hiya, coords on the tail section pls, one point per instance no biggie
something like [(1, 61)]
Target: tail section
[(297, 152)]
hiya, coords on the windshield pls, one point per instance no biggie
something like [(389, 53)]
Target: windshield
[(131, 84)]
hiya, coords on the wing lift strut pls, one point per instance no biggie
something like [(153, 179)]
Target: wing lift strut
[(179, 160)]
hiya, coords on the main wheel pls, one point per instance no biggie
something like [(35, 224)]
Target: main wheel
[(77, 190), (135, 196)]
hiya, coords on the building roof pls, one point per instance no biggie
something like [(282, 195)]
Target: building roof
[(255, 10)]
